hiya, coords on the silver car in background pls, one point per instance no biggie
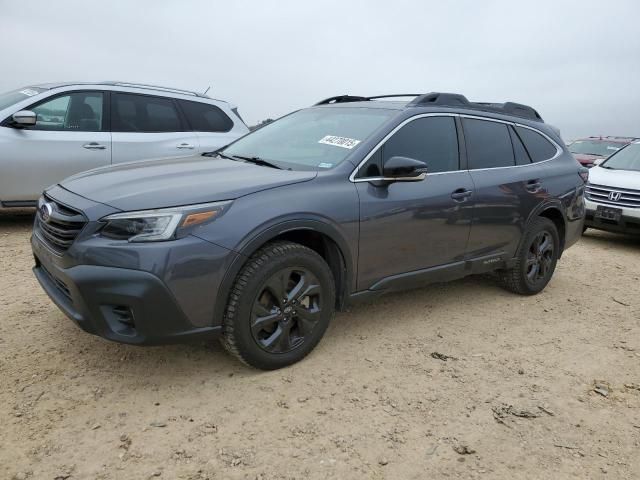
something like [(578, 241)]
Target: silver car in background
[(49, 132)]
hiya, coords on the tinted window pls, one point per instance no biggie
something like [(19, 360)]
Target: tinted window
[(81, 111), (206, 118), (141, 113), (522, 157), (488, 144), (432, 139), (539, 148)]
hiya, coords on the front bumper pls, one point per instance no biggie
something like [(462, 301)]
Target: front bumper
[(629, 222), (135, 306)]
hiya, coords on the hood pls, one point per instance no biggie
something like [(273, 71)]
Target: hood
[(174, 182), (628, 179)]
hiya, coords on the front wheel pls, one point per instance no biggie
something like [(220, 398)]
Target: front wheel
[(536, 259), (280, 306)]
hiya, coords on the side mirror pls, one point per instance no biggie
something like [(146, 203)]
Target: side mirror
[(404, 169), (24, 118), (598, 161)]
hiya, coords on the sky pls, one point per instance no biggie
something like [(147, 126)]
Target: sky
[(576, 62)]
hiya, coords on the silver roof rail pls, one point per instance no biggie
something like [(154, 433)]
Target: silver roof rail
[(155, 87)]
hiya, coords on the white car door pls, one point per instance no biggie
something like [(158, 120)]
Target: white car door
[(69, 137), (148, 127)]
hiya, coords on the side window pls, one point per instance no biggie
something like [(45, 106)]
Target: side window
[(488, 144), (522, 157), (206, 118), (539, 148), (142, 113), (81, 111)]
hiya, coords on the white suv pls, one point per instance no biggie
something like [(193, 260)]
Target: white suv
[(613, 192), (49, 132)]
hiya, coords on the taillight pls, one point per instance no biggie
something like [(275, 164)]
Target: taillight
[(584, 174)]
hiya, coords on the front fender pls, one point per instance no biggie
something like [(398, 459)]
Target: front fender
[(273, 229)]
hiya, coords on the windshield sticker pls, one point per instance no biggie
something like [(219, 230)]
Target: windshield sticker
[(325, 165), (343, 142), (29, 92), (613, 148)]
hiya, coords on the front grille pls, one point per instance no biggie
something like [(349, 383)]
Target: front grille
[(58, 226), (619, 197)]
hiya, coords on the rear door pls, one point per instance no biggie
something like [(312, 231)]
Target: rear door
[(213, 127), (507, 184), (149, 127), (70, 136)]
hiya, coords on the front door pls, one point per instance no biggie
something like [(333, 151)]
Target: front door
[(410, 226), (69, 137)]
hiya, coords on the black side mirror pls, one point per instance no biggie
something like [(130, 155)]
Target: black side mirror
[(404, 169)]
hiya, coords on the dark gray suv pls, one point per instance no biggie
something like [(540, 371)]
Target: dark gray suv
[(260, 242)]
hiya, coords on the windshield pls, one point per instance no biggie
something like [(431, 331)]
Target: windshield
[(316, 138), (9, 98), (626, 159), (595, 147)]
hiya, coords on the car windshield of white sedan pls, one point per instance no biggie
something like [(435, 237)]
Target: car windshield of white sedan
[(9, 98), (313, 139), (626, 159)]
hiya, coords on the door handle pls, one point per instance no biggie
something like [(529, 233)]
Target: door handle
[(533, 186), (461, 194), (184, 146), (94, 146)]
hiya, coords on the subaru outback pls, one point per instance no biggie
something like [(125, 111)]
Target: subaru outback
[(259, 243)]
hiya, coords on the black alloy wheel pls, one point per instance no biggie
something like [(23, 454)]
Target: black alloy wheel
[(286, 310)]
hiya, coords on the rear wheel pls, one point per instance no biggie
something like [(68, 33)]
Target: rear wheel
[(280, 306), (536, 259)]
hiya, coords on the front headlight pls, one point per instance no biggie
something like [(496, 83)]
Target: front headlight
[(162, 224)]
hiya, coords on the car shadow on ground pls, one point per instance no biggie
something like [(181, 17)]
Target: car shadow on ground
[(201, 360), (612, 240), (16, 217)]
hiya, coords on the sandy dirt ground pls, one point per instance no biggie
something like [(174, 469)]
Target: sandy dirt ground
[(539, 387)]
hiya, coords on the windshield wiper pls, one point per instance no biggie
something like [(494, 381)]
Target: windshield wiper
[(257, 161), (216, 153)]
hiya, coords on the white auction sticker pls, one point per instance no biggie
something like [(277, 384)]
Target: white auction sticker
[(343, 142)]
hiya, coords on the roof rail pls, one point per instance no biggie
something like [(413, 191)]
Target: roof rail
[(356, 98), (446, 100), (341, 99), (154, 87), (457, 100)]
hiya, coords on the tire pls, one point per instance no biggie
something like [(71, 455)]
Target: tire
[(279, 307), (535, 261), (584, 229)]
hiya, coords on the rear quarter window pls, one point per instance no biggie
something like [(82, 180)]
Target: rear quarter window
[(206, 118), (539, 148)]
